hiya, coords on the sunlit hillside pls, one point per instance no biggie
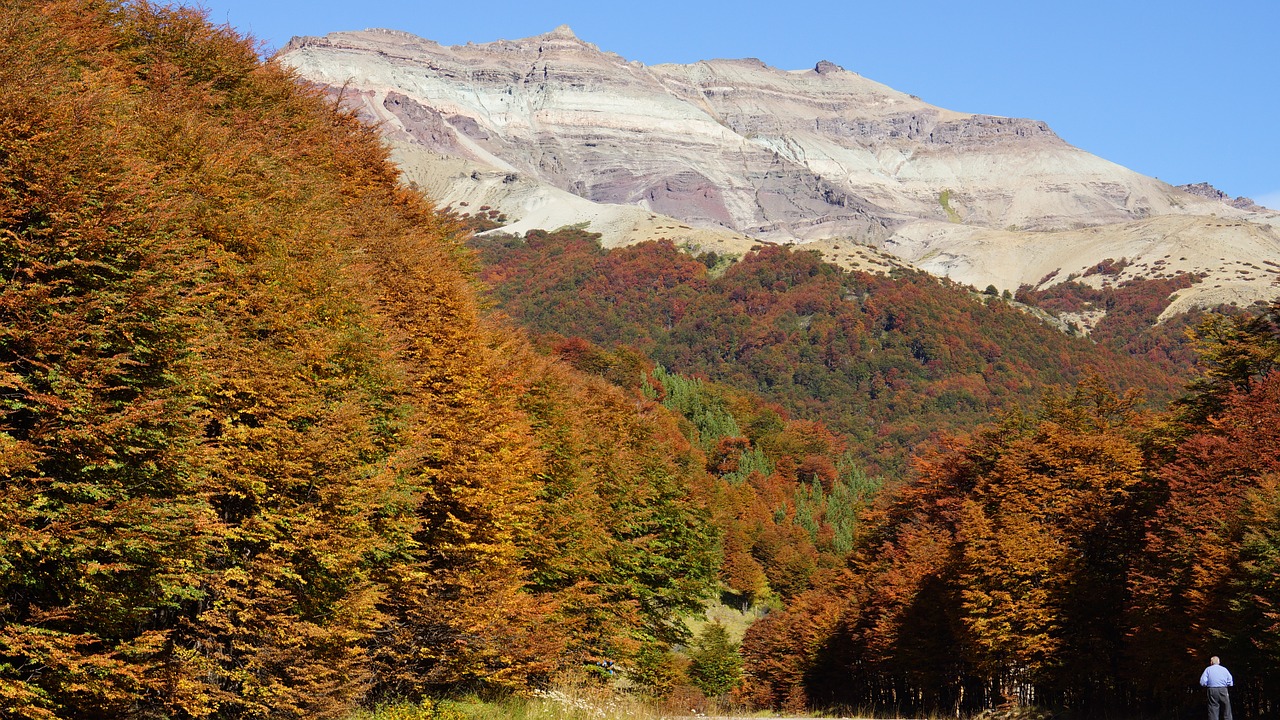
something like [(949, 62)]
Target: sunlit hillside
[(269, 447)]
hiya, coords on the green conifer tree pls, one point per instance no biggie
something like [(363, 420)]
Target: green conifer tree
[(715, 666)]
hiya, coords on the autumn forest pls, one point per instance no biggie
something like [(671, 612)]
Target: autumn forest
[(279, 438)]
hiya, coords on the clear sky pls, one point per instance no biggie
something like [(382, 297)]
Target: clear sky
[(1183, 90)]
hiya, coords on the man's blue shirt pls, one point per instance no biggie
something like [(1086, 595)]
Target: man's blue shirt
[(1215, 676)]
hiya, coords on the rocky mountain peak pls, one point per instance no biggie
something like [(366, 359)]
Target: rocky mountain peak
[(562, 32), (1205, 190), (562, 39), (826, 66)]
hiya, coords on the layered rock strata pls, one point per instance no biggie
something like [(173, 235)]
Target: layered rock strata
[(728, 152)]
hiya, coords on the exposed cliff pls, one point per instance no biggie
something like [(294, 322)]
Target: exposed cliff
[(735, 149), (1205, 190)]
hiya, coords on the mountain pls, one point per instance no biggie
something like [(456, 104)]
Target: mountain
[(736, 150), (264, 452)]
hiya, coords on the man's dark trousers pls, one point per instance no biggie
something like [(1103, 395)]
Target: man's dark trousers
[(1218, 697)]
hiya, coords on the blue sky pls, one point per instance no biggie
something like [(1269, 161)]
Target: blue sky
[(1182, 90)]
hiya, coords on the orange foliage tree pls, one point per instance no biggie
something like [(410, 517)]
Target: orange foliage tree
[(1206, 582), (999, 572), (261, 454)]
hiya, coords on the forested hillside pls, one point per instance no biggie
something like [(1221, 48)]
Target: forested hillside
[(262, 456), (1055, 542), (1089, 556), (887, 361)]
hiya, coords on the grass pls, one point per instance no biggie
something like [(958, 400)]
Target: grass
[(567, 704), (944, 199), (730, 613)]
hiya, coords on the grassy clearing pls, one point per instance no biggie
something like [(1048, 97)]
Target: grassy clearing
[(733, 616)]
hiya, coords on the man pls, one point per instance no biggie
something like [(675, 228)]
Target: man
[(1217, 679)]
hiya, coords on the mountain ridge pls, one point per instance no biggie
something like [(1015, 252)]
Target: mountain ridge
[(821, 154)]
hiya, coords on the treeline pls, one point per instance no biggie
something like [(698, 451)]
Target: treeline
[(888, 362), (1089, 556), (261, 455)]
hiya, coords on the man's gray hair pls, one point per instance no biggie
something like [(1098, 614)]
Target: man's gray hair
[(1214, 660)]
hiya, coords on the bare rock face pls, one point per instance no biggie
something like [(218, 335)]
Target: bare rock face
[(739, 151), (1205, 190)]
